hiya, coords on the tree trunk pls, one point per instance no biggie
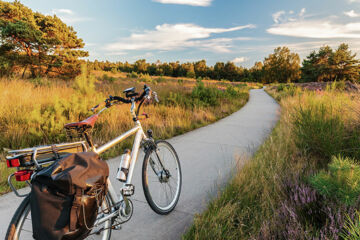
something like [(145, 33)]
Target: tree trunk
[(24, 71)]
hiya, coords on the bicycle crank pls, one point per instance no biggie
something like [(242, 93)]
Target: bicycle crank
[(125, 212)]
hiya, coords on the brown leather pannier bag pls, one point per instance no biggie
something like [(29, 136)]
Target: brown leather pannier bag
[(65, 197)]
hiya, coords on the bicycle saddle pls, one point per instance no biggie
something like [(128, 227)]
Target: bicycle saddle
[(129, 90), (87, 123)]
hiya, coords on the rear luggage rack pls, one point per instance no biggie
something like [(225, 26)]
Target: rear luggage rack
[(40, 155), (36, 157)]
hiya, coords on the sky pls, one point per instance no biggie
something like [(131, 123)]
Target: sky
[(242, 31)]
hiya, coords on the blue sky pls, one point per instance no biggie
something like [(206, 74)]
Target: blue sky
[(214, 30)]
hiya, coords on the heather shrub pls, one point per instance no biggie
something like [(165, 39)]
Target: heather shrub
[(305, 214), (341, 180)]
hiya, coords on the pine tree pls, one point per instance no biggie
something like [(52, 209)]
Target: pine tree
[(43, 43)]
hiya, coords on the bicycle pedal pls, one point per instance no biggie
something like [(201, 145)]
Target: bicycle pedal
[(128, 190)]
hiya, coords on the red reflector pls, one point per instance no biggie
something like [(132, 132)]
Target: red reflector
[(23, 175), (13, 162)]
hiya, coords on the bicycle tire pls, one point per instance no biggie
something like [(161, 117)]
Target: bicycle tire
[(147, 192), (23, 209)]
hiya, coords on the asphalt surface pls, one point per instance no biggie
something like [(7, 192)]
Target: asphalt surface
[(208, 159)]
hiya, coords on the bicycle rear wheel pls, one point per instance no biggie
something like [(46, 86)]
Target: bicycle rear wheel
[(20, 227), (162, 178)]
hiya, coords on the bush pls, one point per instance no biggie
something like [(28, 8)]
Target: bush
[(114, 70), (231, 91), (145, 78), (180, 81), (85, 82), (107, 78), (341, 181), (178, 99), (206, 96), (132, 75), (281, 87)]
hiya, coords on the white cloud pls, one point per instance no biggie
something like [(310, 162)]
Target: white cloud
[(68, 16), (352, 14), (282, 16), (276, 16), (62, 11), (315, 28), (167, 37), (239, 60), (200, 3), (302, 12)]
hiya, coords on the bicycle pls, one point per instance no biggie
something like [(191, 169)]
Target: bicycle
[(161, 165)]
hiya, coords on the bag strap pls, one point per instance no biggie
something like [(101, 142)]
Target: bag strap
[(55, 151), (75, 209)]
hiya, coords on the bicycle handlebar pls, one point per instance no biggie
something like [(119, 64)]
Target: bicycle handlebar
[(137, 99), (145, 94)]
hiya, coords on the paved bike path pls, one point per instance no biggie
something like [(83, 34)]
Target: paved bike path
[(207, 157)]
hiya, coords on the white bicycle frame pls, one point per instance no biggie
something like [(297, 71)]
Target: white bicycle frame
[(139, 137)]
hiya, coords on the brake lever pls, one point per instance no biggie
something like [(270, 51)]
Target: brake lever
[(108, 101)]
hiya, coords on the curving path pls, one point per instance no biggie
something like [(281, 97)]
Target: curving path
[(207, 160)]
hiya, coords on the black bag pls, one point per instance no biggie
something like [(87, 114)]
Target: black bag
[(65, 197)]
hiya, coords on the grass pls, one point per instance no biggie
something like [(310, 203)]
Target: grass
[(271, 197), (34, 112)]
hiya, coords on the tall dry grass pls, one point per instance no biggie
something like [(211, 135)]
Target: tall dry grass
[(34, 112)]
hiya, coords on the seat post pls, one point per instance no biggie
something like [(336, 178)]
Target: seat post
[(88, 139)]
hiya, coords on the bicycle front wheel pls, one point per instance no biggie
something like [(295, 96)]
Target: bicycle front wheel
[(20, 227), (162, 178)]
